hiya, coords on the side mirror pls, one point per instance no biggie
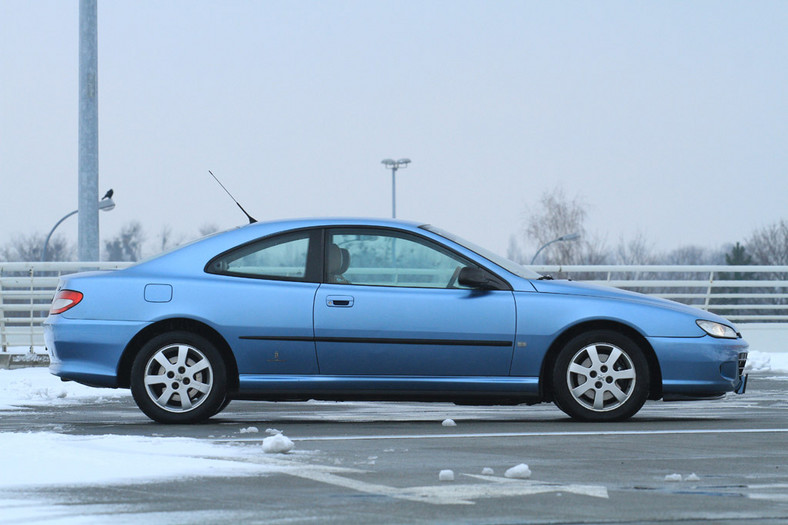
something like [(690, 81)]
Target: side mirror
[(477, 278)]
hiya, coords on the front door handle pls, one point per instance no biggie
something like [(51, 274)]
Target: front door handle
[(339, 301)]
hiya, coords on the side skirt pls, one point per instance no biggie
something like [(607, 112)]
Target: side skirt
[(470, 390)]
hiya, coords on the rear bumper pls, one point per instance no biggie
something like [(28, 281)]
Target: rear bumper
[(87, 351)]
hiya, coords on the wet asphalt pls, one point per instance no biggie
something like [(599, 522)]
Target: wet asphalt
[(380, 462)]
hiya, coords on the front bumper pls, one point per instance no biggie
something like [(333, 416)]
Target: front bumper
[(700, 367)]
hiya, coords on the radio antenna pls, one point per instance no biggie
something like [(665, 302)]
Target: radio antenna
[(252, 220)]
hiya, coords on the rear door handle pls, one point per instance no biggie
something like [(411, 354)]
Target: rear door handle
[(339, 301)]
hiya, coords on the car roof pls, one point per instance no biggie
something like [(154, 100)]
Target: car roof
[(193, 256)]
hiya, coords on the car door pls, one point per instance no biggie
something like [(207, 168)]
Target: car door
[(390, 305), (263, 295)]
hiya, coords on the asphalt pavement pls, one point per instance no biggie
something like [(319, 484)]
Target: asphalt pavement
[(380, 463)]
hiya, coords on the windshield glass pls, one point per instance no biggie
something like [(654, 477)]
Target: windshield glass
[(503, 262)]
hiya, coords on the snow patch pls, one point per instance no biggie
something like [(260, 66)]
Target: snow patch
[(446, 475), (36, 387), (520, 471), (51, 459), (767, 362), (277, 444)]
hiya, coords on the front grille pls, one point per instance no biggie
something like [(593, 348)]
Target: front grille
[(742, 362)]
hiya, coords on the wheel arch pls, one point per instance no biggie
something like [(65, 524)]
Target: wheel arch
[(545, 375), (170, 325)]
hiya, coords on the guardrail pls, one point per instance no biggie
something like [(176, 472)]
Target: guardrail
[(26, 291), (740, 293)]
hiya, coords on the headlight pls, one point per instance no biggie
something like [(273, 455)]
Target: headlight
[(717, 329)]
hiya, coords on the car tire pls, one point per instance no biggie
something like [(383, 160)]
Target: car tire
[(222, 406), (179, 377), (589, 387)]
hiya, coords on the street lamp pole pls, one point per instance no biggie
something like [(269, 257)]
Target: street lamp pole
[(105, 204), (568, 237), (88, 232), (394, 165)]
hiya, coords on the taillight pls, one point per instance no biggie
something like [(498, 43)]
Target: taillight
[(64, 300)]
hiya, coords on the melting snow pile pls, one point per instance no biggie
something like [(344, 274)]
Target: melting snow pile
[(446, 475), (277, 443), (677, 477), (520, 471)]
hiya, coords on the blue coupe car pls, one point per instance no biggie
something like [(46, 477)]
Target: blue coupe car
[(350, 309)]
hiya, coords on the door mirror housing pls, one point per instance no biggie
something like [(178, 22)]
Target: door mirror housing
[(478, 279)]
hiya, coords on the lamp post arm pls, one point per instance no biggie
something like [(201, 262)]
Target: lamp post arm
[(533, 259), (46, 242)]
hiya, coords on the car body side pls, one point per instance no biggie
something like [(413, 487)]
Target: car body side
[(269, 334)]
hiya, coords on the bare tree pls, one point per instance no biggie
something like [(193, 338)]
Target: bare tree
[(168, 240), (127, 245), (559, 215), (207, 229), (694, 255), (28, 248), (769, 245), (636, 250), (514, 252)]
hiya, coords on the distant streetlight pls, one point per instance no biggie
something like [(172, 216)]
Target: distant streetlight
[(569, 237), (105, 204), (394, 165)]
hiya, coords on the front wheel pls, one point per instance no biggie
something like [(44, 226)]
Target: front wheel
[(179, 377), (601, 376)]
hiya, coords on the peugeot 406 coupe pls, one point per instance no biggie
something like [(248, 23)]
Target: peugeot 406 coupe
[(351, 309)]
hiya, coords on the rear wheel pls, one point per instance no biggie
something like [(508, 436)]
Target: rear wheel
[(601, 376), (179, 377)]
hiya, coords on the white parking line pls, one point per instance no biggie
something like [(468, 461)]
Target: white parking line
[(533, 434), (441, 494)]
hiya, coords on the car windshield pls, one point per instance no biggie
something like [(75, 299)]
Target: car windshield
[(503, 262)]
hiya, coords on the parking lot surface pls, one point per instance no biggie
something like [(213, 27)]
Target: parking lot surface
[(722, 461)]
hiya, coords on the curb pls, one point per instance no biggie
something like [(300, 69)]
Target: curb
[(12, 361)]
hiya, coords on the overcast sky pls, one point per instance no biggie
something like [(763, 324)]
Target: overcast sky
[(668, 119)]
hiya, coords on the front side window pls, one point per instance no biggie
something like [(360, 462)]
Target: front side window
[(282, 257), (387, 258)]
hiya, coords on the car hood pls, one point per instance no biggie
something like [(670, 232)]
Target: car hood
[(608, 292)]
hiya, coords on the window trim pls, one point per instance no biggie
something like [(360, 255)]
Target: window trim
[(312, 271)]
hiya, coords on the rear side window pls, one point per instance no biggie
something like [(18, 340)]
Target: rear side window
[(282, 257)]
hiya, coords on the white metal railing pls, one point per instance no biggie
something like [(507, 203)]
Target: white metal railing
[(740, 293), (26, 291)]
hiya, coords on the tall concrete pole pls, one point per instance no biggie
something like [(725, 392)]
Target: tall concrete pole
[(88, 240)]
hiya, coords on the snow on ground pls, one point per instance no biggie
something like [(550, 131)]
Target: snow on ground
[(51, 459), (767, 362), (36, 386)]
